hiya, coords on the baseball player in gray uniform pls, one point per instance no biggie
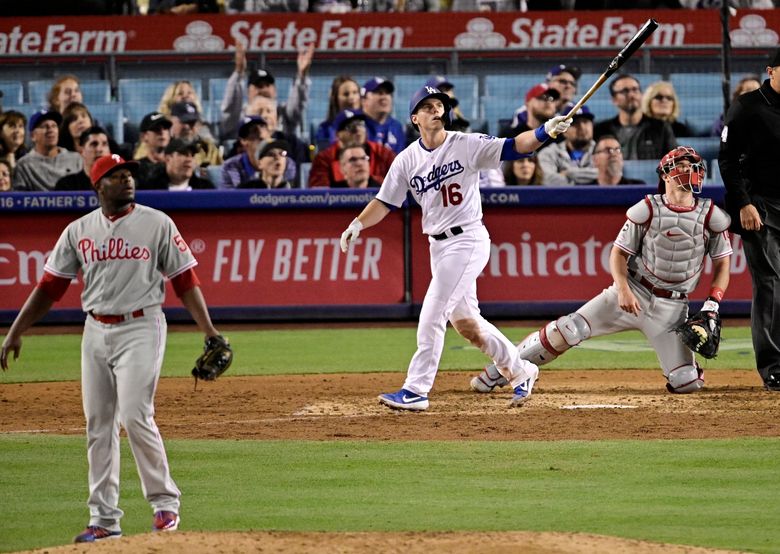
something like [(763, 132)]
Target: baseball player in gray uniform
[(123, 250), (441, 170), (656, 261)]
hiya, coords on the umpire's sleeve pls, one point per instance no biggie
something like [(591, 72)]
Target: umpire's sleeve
[(734, 141)]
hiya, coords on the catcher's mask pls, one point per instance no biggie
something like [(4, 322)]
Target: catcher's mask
[(431, 92), (688, 177)]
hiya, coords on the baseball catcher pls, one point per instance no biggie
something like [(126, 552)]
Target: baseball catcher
[(216, 358), (656, 261)]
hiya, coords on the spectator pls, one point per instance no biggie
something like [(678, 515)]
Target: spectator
[(93, 144), (5, 175), (525, 171), (354, 164), (155, 136), (63, 92), (377, 103), (75, 120), (272, 161), (608, 159), (571, 162), (344, 95), (261, 6), (186, 125), (350, 131), (180, 91), (178, 171), (640, 137), (540, 105), (564, 78), (261, 82), (12, 145), (299, 152), (244, 167), (746, 84), (183, 7), (661, 102), (46, 163)]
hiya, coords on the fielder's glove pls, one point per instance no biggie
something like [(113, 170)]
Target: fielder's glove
[(216, 358), (701, 333)]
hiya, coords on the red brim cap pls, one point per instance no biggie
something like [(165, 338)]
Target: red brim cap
[(106, 165)]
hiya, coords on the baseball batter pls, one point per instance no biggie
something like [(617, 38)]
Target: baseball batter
[(656, 261), (441, 170), (123, 250)]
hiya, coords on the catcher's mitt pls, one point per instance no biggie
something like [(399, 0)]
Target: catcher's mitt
[(216, 358), (701, 333)]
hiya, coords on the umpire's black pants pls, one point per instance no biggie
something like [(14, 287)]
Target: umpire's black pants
[(762, 250)]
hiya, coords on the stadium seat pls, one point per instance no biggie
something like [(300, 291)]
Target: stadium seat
[(93, 92), (696, 84), (510, 86), (641, 169), (700, 112), (217, 89), (303, 170), (13, 92), (707, 147), (111, 118), (26, 109), (214, 174), (495, 110), (713, 173)]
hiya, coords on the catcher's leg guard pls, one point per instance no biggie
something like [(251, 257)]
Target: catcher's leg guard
[(489, 379), (685, 380), (555, 338)]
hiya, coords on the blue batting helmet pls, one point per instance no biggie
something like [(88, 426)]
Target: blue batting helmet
[(431, 92)]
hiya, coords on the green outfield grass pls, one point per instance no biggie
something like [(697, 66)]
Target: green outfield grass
[(720, 494), (359, 350)]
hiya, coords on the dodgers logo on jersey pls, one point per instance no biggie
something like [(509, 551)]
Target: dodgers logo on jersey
[(434, 178)]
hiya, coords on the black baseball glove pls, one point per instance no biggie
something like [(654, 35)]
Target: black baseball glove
[(216, 358), (701, 333)]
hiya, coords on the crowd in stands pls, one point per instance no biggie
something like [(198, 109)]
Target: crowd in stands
[(258, 141)]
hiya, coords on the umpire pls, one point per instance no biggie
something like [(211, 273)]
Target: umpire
[(750, 165)]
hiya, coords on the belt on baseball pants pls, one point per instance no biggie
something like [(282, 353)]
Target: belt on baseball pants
[(662, 293), (451, 232), (114, 319)]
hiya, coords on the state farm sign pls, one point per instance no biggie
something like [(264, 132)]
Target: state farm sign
[(386, 33)]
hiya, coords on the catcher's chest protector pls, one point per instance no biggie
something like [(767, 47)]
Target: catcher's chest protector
[(676, 241)]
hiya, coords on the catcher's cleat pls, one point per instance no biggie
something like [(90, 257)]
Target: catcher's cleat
[(404, 400), (165, 521), (488, 380), (93, 533), (522, 392)]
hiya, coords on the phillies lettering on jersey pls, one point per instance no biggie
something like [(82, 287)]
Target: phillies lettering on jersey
[(435, 177), (114, 249)]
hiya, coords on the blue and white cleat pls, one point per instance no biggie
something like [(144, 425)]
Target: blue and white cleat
[(404, 400), (94, 533), (523, 391)]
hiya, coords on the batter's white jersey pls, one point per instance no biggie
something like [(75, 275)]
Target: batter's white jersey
[(123, 259), (444, 181)]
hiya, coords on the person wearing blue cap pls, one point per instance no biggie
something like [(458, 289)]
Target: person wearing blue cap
[(377, 103), (570, 162), (46, 163), (245, 167)]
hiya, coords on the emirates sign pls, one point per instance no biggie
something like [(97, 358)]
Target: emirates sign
[(378, 32)]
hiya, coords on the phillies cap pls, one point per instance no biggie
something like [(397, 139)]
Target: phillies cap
[(261, 78), (585, 112), (440, 82), (249, 121), (155, 120), (377, 83), (774, 61), (542, 89), (106, 165), (185, 111), (43, 115), (344, 117), (563, 68)]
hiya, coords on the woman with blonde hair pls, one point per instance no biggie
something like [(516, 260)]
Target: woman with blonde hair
[(660, 101), (180, 91), (65, 90), (344, 95)]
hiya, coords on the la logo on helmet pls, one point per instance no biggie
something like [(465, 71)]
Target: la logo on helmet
[(431, 90)]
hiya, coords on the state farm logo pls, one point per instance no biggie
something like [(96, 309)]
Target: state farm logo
[(58, 39), (535, 33), (753, 32), (198, 38)]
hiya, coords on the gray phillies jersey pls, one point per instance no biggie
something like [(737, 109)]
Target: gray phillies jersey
[(668, 243), (123, 260)]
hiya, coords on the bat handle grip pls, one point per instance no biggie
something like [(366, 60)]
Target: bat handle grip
[(585, 97)]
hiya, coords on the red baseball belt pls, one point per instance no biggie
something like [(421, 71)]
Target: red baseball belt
[(109, 319)]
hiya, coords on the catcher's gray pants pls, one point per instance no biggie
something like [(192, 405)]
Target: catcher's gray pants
[(655, 321), (762, 250), (120, 367)]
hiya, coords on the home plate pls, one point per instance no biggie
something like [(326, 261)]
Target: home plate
[(597, 407)]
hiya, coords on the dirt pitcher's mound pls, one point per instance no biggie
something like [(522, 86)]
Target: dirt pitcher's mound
[(359, 543)]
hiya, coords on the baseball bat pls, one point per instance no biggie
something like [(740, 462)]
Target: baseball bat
[(628, 50)]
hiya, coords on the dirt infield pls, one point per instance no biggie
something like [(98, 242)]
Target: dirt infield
[(615, 404)]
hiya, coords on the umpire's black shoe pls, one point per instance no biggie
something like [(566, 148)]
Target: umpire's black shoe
[(772, 381)]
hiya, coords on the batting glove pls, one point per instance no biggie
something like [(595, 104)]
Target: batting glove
[(351, 234), (557, 125), (710, 306)]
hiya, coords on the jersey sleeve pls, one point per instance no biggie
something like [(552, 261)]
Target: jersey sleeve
[(484, 151), (719, 245), (63, 261), (175, 254), (629, 238), (394, 187)]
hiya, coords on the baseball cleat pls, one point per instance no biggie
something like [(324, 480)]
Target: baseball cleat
[(489, 379), (93, 533), (522, 392), (404, 400), (165, 521)]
